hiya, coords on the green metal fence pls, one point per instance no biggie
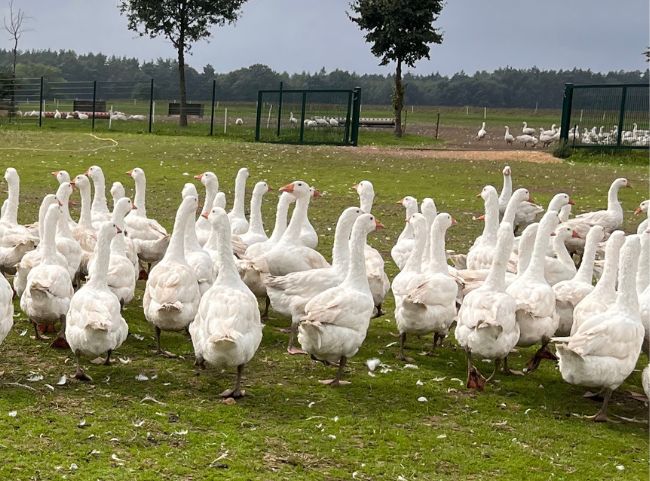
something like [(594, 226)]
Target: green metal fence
[(611, 116), (312, 116)]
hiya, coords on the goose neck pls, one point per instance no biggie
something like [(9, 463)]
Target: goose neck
[(139, 198), (491, 222), (256, 223), (225, 261), (176, 249), (85, 218), (586, 270), (366, 201), (191, 239), (537, 263), (99, 200), (438, 255), (281, 217), (240, 194), (626, 296), (11, 212), (506, 192), (98, 274), (298, 218), (356, 275), (414, 261), (612, 198)]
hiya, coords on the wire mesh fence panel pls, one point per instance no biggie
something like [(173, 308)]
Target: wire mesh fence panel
[(305, 116), (20, 100), (606, 116), (69, 102), (122, 106)]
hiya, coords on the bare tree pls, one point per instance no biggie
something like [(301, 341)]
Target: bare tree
[(15, 29)]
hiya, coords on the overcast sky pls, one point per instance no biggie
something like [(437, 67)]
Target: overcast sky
[(297, 35)]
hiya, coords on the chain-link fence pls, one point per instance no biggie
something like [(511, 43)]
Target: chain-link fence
[(606, 116)]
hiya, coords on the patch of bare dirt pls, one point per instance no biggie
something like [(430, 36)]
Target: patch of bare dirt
[(500, 155)]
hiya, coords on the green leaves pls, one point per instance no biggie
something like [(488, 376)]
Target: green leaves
[(399, 30), (181, 21)]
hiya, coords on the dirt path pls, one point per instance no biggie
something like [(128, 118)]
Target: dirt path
[(498, 155)]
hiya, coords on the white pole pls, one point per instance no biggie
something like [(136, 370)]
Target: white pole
[(268, 120), (411, 109), (225, 119), (110, 118), (580, 115), (466, 110), (484, 113), (153, 111), (217, 107)]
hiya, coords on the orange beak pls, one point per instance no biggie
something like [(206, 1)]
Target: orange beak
[(453, 221), (129, 173), (530, 198), (287, 188), (269, 188), (87, 172), (400, 202), (55, 173), (571, 202), (198, 177), (73, 184), (355, 186), (478, 195), (575, 235), (481, 217), (637, 211), (378, 225), (317, 194), (204, 215), (628, 184)]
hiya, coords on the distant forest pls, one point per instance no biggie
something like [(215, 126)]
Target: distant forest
[(505, 87)]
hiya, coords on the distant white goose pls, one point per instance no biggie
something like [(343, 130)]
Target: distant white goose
[(508, 137), (526, 140), (527, 130), (481, 133)]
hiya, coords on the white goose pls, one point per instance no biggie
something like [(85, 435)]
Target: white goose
[(425, 298), (536, 314), (643, 286), (172, 294), (560, 267), (604, 350), (117, 192), (33, 258), (289, 294), (197, 258), (429, 211), (211, 184), (66, 244), (481, 253), (237, 215), (61, 176), (487, 324), (377, 278), (506, 190), (99, 208), (604, 293), (49, 288), (337, 319), (570, 292), (308, 235), (643, 209), (94, 324), (255, 232), (227, 330), (527, 130), (149, 237), (6, 308), (481, 133), (282, 209), (84, 232), (15, 239), (121, 273), (508, 137), (610, 219), (402, 248)]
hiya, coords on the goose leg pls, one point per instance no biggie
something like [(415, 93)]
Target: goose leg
[(236, 391), (60, 342), (506, 370), (267, 303), (37, 333), (107, 362), (542, 353), (159, 349), (379, 311), (199, 362), (497, 363), (601, 415), (474, 378), (291, 349), (400, 354), (339, 374), (79, 373)]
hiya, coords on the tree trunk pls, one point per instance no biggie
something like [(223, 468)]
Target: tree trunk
[(182, 121), (398, 99)]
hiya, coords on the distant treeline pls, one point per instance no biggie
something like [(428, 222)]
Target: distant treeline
[(505, 87)]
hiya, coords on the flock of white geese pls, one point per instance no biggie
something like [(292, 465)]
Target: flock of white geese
[(207, 276)]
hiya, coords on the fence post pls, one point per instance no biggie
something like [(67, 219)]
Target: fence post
[(567, 103), (258, 118), (437, 124), (348, 118), (40, 106), (621, 116), (94, 102), (151, 107), (279, 110), (302, 117), (214, 94), (356, 112)]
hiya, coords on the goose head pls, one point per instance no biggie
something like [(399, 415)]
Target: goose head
[(218, 219), (444, 221), (428, 209), (564, 233), (488, 193), (521, 195), (560, 200), (208, 178), (61, 176), (299, 189), (136, 173), (81, 182), (315, 194), (366, 193), (507, 171), (368, 223), (117, 191), (261, 188), (122, 207), (419, 224), (95, 173), (408, 202), (220, 200), (107, 230), (64, 192), (621, 183), (11, 176), (643, 207), (189, 189)]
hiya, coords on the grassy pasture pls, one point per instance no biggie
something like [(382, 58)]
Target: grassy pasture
[(289, 426)]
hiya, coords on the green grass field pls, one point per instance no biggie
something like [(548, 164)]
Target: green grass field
[(175, 427)]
